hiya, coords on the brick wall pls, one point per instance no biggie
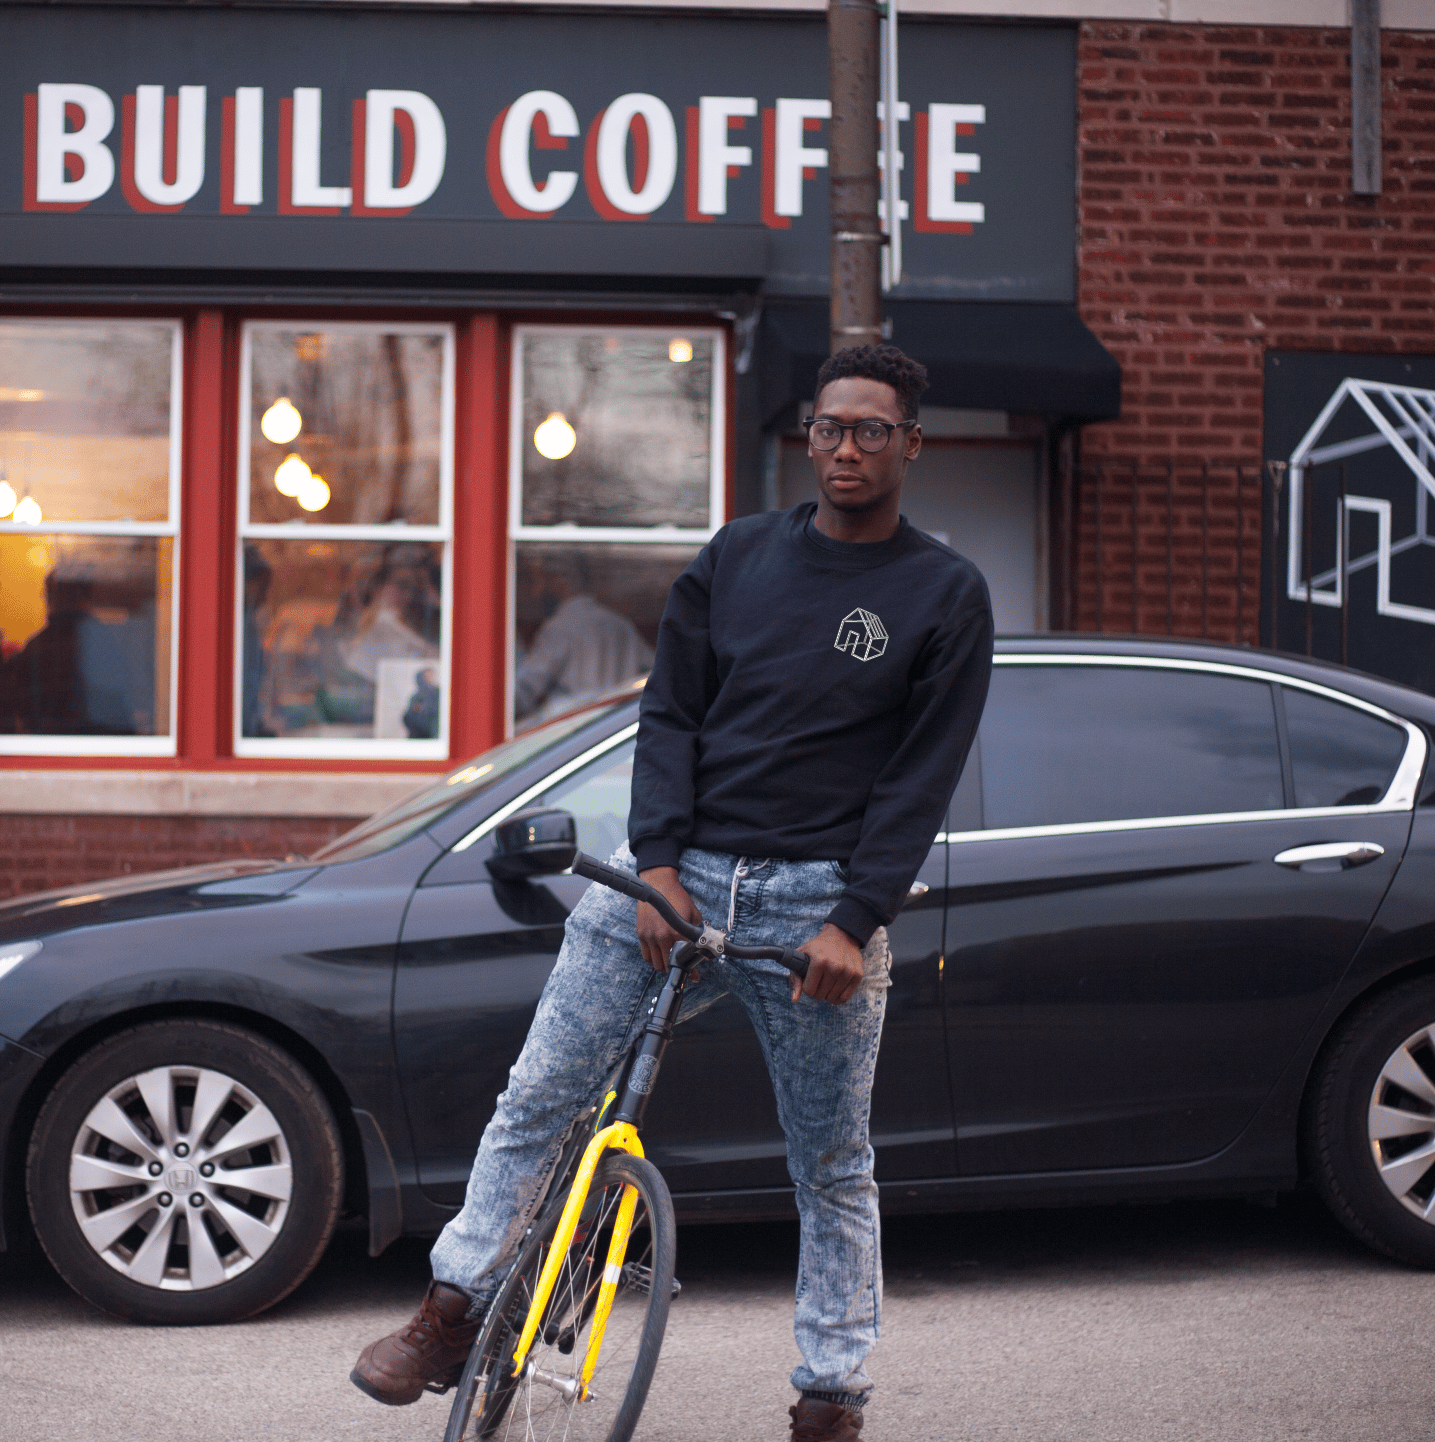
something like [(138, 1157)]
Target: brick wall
[(1216, 219), (42, 851)]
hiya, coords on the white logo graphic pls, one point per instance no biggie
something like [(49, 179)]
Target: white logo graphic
[(1403, 416), (862, 635)]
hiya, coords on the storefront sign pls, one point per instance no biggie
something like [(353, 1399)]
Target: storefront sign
[(494, 144)]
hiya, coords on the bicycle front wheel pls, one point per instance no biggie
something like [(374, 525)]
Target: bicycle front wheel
[(542, 1403)]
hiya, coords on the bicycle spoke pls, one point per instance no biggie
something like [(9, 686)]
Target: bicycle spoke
[(541, 1403)]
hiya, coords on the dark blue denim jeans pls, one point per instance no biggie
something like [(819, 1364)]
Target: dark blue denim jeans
[(821, 1059)]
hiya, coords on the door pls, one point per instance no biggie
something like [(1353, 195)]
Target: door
[(1128, 967), (473, 959), (706, 1144)]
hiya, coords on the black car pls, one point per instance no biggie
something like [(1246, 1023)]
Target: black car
[(1177, 939)]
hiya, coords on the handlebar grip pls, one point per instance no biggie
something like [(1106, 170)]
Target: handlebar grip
[(630, 885), (584, 865), (795, 961)]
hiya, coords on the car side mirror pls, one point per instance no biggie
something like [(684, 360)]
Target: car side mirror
[(533, 843)]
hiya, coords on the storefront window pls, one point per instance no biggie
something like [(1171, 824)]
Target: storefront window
[(346, 481), (89, 511), (617, 478)]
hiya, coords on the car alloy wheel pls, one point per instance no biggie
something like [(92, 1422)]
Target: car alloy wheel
[(185, 1171), (180, 1177), (1370, 1122), (1401, 1123)]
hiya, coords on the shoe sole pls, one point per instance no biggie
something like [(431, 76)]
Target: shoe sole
[(439, 1385), (389, 1399)]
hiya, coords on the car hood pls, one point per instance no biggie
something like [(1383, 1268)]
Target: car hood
[(156, 893)]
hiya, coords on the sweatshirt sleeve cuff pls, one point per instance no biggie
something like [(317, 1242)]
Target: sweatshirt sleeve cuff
[(656, 851), (856, 918)]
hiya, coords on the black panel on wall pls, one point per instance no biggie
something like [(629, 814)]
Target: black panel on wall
[(1394, 637)]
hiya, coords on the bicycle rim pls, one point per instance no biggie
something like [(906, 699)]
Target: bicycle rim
[(540, 1405)]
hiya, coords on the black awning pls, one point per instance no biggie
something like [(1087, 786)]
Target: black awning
[(980, 355)]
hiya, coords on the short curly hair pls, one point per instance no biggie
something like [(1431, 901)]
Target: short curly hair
[(883, 363)]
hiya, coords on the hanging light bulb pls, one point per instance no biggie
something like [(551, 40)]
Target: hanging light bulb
[(7, 499), (27, 513), (281, 422), (314, 493), (290, 476), (555, 438), (680, 350)]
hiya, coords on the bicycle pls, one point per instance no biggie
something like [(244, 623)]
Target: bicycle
[(535, 1371)]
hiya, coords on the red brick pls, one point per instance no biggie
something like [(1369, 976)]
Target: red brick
[(1187, 273), (42, 852)]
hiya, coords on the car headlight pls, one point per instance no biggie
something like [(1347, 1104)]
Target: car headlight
[(13, 953)]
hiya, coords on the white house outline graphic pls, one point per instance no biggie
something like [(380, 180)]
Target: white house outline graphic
[(862, 635), (1400, 414)]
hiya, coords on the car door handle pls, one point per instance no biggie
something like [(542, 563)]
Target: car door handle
[(1329, 855)]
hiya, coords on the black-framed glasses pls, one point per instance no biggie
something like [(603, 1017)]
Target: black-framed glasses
[(871, 436)]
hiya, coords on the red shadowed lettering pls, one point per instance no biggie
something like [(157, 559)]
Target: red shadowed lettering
[(73, 163), (921, 221), (169, 165), (285, 198), (770, 217)]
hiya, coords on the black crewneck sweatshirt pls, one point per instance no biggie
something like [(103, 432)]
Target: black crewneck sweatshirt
[(812, 699)]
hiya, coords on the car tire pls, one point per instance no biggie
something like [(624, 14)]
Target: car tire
[(176, 1125), (1370, 1140)]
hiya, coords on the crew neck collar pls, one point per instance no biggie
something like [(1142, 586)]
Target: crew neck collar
[(851, 555)]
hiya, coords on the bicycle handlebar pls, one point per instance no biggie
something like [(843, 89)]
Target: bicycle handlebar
[(629, 885)]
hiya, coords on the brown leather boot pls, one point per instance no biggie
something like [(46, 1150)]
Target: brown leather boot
[(432, 1348), (817, 1421)]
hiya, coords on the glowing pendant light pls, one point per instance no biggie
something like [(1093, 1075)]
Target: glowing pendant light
[(7, 499), (290, 476), (555, 438), (281, 422), (314, 493), (27, 513)]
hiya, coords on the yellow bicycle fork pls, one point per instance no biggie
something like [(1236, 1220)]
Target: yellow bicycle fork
[(619, 1137)]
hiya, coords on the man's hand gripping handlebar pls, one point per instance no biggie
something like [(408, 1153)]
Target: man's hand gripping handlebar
[(707, 938)]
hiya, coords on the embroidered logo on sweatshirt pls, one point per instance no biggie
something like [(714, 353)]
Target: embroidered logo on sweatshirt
[(862, 635)]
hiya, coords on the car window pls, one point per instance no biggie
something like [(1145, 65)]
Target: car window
[(423, 808), (598, 797), (1071, 744), (1339, 756)]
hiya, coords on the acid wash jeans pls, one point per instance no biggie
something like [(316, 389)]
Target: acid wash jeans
[(821, 1059)]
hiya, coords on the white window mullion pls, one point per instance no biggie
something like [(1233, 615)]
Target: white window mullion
[(84, 377), (623, 392), (433, 530)]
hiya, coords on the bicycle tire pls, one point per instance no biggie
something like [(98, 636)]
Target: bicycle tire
[(492, 1404)]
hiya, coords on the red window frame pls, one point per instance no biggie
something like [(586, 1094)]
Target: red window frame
[(204, 697)]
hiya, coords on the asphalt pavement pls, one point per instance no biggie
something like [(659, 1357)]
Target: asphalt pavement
[(1220, 1321)]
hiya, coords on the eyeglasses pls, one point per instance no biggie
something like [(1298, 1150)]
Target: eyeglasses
[(871, 436)]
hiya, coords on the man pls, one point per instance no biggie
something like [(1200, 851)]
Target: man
[(819, 677), (582, 649)]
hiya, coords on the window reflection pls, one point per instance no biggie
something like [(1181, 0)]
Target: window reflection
[(87, 635), (587, 620), (87, 443), (342, 639), (631, 444), (1339, 756), (598, 798), (357, 413), (85, 419), (1073, 744)]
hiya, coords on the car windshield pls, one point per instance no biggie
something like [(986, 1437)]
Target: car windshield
[(400, 821)]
